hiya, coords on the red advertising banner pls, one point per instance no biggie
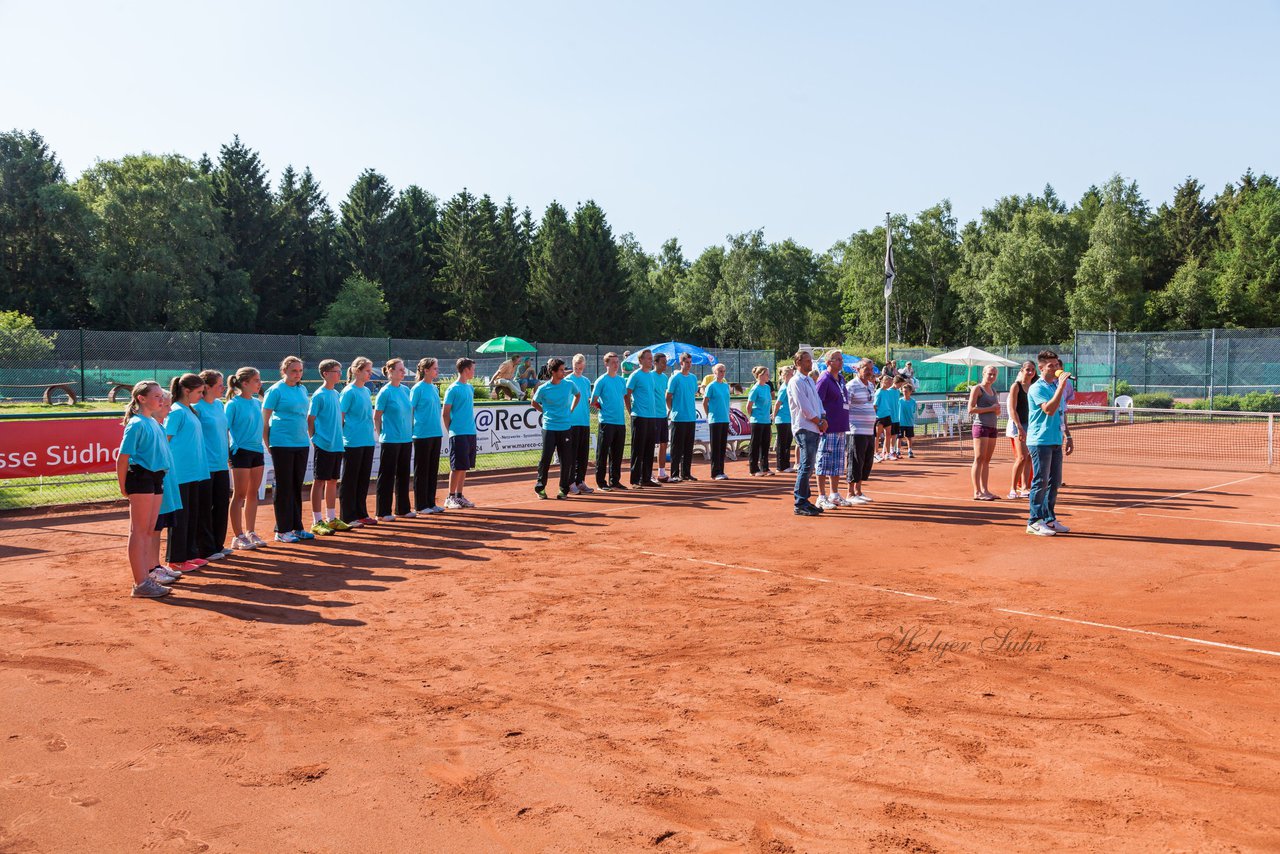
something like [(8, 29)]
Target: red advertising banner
[(1089, 398), (71, 446)]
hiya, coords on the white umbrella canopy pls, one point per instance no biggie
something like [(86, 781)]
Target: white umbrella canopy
[(971, 356)]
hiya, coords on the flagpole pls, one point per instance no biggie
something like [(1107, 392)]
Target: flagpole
[(888, 283)]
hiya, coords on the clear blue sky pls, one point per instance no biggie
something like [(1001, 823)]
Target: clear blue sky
[(689, 119)]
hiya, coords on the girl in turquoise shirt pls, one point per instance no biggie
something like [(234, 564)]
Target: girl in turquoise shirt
[(428, 432), (759, 402), (212, 532), (358, 443), (140, 469), (393, 419), (244, 423), (285, 435), (191, 468)]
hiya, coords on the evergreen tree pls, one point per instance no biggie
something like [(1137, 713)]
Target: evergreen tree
[(653, 308), (599, 292), (694, 293), (649, 308), (467, 256), (367, 233), (306, 256), (510, 301), (420, 305), (552, 272), (1247, 255), (248, 214), (44, 232)]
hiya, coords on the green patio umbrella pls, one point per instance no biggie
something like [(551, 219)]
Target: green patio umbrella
[(506, 344)]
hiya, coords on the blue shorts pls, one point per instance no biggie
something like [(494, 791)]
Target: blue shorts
[(462, 452), (831, 451)]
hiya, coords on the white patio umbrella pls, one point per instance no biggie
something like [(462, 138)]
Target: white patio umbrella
[(971, 356)]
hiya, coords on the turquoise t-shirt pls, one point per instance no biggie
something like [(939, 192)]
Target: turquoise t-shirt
[(397, 415), (186, 445), (145, 443), (324, 407), (172, 499), (761, 400), (660, 395), (640, 384), (1042, 429), (907, 412), (425, 400), (784, 406), (217, 444), (609, 391), (717, 397), (886, 401), (555, 400), (357, 416), (683, 389), (244, 421), (581, 415), (461, 397), (288, 405)]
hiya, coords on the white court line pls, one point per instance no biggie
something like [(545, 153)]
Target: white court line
[(1031, 614), (1202, 519), (1140, 632), (1190, 492)]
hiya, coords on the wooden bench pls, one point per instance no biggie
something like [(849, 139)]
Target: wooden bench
[(49, 389)]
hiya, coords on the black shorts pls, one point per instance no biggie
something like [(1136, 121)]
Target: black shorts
[(462, 452), (246, 459), (909, 432), (328, 464), (140, 481), (662, 431), (885, 421), (164, 520)]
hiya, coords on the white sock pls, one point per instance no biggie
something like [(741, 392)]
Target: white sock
[(333, 514), (316, 517)]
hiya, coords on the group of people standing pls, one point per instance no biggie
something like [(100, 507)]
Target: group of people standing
[(192, 459)]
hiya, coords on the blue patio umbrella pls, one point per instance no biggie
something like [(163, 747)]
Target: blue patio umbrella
[(673, 350)]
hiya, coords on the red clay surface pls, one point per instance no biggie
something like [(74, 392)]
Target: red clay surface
[(683, 669)]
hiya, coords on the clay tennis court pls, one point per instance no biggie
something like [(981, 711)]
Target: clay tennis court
[(684, 669)]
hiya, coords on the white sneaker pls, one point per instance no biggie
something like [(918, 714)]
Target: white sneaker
[(258, 542), (161, 575), (824, 503), (286, 537), (583, 489), (412, 514), (1058, 527), (387, 518), (434, 509), (465, 502), (1040, 529), (841, 500), (238, 543), (865, 499), (722, 477), (573, 489), (215, 556), (452, 503)]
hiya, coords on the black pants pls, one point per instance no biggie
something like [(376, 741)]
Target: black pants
[(560, 443), (784, 446), (579, 452), (719, 444), (426, 472), (761, 435), (393, 478), (861, 454), (641, 450), (681, 448), (182, 545), (357, 464), (213, 525), (291, 470), (610, 442)]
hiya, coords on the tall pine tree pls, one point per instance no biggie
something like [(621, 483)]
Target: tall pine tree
[(248, 214), (552, 273), (306, 259)]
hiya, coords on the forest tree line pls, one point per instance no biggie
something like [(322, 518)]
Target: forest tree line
[(165, 242)]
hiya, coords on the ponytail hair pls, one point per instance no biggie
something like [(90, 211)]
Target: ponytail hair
[(758, 371), (184, 383), (210, 377), (391, 363), (141, 389), (424, 365), (238, 379), (287, 361), (357, 364)]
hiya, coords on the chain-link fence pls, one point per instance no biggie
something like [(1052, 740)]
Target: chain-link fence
[(82, 364), (1202, 364), (940, 379)]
